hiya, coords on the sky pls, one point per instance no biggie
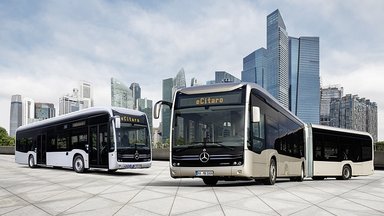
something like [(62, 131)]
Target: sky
[(48, 47)]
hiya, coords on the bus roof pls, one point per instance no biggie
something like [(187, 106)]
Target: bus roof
[(80, 113), (342, 130)]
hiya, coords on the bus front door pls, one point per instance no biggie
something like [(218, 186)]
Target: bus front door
[(41, 149), (98, 148)]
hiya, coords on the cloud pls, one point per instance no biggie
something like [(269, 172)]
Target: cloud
[(47, 47)]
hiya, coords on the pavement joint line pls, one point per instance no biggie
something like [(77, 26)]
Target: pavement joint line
[(221, 207), (141, 190), (25, 201), (174, 198)]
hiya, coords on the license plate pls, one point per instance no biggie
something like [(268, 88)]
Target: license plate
[(132, 166), (204, 172)]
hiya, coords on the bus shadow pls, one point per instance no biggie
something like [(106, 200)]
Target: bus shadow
[(93, 171), (194, 183)]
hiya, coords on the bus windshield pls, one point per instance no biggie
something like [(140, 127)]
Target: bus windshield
[(209, 126), (131, 136)]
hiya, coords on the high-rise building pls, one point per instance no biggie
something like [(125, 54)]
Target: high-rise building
[(16, 119), (136, 93), (352, 112), (179, 81), (170, 86), (70, 103), (304, 79), (145, 105), (79, 99), (165, 111), (28, 111), (326, 96), (44, 111), (86, 94), (254, 67), (121, 95), (276, 77), (224, 77)]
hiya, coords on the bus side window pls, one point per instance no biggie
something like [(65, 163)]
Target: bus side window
[(258, 135)]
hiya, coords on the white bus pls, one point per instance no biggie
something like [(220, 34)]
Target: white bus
[(97, 137), (238, 131)]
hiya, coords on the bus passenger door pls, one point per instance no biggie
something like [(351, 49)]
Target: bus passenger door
[(41, 149), (98, 146)]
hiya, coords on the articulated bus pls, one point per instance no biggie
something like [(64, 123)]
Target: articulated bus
[(239, 131), (97, 137)]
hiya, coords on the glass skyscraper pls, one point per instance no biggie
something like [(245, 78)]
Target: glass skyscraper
[(224, 77), (170, 86), (254, 67), (276, 77), (44, 111), (136, 93), (165, 111), (304, 78), (16, 118), (121, 95)]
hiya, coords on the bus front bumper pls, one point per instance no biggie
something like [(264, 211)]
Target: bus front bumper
[(200, 172)]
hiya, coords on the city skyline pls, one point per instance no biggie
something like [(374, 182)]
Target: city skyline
[(41, 58)]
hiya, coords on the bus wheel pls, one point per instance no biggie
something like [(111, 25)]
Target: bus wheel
[(78, 164), (301, 177), (210, 181), (346, 172), (272, 173), (31, 161)]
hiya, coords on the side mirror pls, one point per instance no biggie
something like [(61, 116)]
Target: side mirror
[(255, 114), (117, 121), (157, 108)]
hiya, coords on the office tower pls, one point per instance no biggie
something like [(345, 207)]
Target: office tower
[(352, 112), (121, 95), (86, 94), (276, 77), (28, 111), (145, 105), (170, 86), (304, 78), (16, 119), (44, 111), (224, 77), (326, 96), (70, 103), (254, 67), (179, 81), (81, 98), (136, 93), (165, 111)]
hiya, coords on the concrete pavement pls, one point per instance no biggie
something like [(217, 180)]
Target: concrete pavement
[(49, 191)]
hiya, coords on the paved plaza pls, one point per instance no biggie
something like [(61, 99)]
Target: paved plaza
[(49, 191)]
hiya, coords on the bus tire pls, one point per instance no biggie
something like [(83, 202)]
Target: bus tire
[(301, 177), (272, 173), (78, 164), (346, 172), (31, 161), (210, 181)]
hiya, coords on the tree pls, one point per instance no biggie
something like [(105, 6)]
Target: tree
[(5, 140), (379, 146)]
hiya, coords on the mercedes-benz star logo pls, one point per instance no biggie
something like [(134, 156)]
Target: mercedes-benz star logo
[(137, 155), (204, 156)]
